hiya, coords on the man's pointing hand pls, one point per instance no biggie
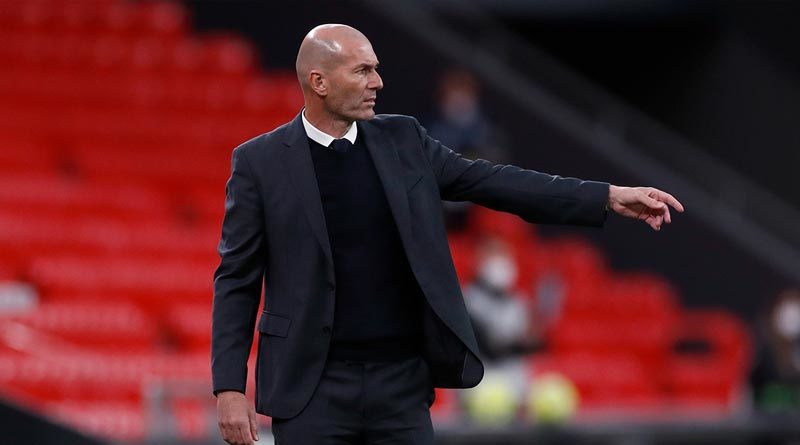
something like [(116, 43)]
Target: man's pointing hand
[(645, 203)]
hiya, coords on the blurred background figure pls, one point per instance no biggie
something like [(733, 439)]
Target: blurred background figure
[(500, 314), (776, 376), (459, 120), (501, 320)]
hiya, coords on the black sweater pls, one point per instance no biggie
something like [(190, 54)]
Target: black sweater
[(377, 312)]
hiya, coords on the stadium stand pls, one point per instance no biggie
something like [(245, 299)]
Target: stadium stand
[(116, 128)]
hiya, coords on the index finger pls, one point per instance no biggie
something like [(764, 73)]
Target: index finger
[(662, 195)]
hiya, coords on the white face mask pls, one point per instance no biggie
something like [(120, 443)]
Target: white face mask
[(499, 271), (787, 319)]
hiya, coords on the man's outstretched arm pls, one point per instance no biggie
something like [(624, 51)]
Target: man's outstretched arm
[(539, 197), (237, 290)]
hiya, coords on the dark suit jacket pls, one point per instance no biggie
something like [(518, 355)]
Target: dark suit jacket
[(274, 231)]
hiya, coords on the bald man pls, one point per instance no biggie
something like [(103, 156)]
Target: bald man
[(338, 215)]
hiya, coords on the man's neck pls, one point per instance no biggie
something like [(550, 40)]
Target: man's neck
[(328, 124)]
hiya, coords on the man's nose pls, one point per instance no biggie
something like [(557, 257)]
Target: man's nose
[(376, 82)]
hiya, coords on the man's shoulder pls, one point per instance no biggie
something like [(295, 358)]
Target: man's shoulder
[(395, 125), (393, 120), (264, 141)]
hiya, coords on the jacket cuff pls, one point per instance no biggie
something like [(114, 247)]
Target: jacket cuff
[(228, 380), (217, 391), (597, 197)]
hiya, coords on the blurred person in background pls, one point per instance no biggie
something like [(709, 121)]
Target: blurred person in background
[(776, 375), (499, 314), (459, 121), (338, 214), (501, 319)]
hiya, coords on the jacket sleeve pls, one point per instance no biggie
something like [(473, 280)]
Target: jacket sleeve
[(238, 278), (533, 196)]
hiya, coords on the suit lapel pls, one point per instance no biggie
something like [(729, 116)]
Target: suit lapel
[(297, 157), (385, 156)]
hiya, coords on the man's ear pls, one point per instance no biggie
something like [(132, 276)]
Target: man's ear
[(318, 83)]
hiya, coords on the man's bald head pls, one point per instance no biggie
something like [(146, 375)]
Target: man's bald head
[(337, 70), (323, 47)]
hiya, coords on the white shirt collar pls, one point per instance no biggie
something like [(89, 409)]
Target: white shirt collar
[(323, 138)]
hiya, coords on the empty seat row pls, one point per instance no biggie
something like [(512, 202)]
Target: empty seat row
[(98, 17), (95, 237), (218, 55), (137, 125), (98, 325), (21, 191), (153, 280), (47, 90)]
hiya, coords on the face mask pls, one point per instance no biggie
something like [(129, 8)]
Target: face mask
[(787, 319), (499, 271)]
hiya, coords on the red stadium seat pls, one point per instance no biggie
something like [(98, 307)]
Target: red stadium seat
[(511, 228), (605, 382), (576, 261), (624, 296), (445, 406), (148, 282), (647, 339), (28, 156), (95, 325), (190, 325), (462, 249), (709, 362)]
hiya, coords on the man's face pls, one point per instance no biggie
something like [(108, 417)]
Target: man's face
[(354, 82)]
